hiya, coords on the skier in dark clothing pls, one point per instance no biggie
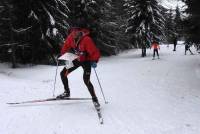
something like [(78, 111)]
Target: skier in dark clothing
[(175, 43), (80, 43), (155, 47), (187, 48)]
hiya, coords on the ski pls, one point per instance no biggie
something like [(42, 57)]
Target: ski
[(48, 99), (98, 109)]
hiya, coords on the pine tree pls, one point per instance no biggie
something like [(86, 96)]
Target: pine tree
[(192, 22), (118, 17), (145, 22), (170, 26), (4, 25), (8, 36), (38, 28), (111, 38), (106, 38), (178, 22)]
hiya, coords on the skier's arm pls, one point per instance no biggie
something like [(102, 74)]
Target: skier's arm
[(91, 49)]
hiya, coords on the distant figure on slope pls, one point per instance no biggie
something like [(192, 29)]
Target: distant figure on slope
[(80, 43), (175, 43), (155, 46), (187, 48)]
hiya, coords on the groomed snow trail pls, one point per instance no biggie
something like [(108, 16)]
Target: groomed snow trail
[(145, 96)]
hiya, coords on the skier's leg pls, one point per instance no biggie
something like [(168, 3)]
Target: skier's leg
[(154, 51), (64, 73), (157, 53), (174, 47), (86, 77)]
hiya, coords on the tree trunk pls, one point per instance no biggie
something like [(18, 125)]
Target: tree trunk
[(144, 52), (13, 56)]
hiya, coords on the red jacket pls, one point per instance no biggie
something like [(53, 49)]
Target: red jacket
[(87, 50), (155, 46)]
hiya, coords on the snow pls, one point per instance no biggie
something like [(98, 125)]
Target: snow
[(145, 96), (172, 4), (32, 13), (55, 31)]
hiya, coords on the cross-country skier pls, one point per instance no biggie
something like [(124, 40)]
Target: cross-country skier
[(155, 46), (175, 43), (187, 48), (80, 43)]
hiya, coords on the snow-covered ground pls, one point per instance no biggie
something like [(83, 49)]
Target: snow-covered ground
[(145, 97)]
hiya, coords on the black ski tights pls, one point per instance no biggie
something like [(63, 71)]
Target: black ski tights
[(155, 51), (86, 76)]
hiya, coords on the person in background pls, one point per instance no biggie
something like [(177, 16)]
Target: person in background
[(187, 48), (155, 46), (175, 43)]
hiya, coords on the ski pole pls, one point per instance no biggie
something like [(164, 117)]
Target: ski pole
[(54, 87), (106, 102)]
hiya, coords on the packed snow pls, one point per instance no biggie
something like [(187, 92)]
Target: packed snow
[(145, 96)]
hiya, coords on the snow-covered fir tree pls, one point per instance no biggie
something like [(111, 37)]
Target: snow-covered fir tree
[(192, 22), (178, 22), (38, 28), (4, 24), (106, 28), (8, 46), (170, 26), (145, 22), (111, 35), (118, 18)]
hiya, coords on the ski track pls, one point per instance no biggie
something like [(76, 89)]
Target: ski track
[(145, 96)]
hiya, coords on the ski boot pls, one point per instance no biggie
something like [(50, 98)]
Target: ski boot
[(63, 95)]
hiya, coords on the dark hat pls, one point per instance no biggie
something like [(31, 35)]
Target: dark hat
[(81, 22)]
